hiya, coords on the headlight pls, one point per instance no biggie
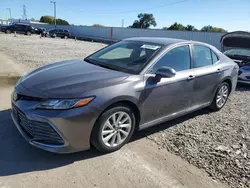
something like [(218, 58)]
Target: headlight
[(64, 104)]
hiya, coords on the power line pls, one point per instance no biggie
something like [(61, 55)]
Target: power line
[(131, 11)]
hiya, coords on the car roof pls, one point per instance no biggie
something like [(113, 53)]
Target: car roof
[(158, 40), (167, 41)]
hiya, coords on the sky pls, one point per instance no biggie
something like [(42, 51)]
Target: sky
[(229, 14)]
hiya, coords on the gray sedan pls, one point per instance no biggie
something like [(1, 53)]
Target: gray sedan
[(131, 85)]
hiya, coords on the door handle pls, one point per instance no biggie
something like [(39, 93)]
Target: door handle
[(191, 77), (218, 70)]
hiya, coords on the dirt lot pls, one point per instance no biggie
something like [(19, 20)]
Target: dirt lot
[(217, 142)]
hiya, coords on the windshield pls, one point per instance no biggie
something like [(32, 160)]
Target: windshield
[(238, 52), (125, 56)]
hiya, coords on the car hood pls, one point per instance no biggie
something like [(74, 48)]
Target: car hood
[(238, 39), (68, 79)]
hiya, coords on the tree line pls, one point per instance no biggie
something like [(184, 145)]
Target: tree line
[(51, 20), (145, 21)]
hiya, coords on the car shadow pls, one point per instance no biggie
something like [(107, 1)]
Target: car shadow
[(17, 156)]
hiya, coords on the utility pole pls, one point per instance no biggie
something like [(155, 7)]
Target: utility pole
[(54, 2), (122, 22), (9, 12), (24, 13)]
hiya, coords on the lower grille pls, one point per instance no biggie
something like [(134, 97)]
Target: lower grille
[(39, 131), (248, 77)]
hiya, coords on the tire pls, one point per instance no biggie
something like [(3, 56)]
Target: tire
[(65, 37), (8, 32), (222, 93), (28, 33), (118, 139)]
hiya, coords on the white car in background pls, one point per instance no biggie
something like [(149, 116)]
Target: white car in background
[(236, 45)]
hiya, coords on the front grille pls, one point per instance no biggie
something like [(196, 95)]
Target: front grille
[(39, 131)]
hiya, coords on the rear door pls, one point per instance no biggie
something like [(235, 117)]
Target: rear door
[(208, 74), (60, 33)]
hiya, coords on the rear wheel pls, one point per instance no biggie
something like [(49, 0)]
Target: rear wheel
[(28, 33), (221, 96), (113, 129), (8, 32)]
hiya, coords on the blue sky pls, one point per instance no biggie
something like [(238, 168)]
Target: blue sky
[(228, 14)]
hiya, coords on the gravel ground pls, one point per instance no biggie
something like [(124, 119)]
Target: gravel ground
[(218, 142), (36, 52)]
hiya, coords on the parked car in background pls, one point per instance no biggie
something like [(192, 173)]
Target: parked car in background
[(41, 31), (59, 33), (133, 84), (19, 28), (236, 45), (2, 27)]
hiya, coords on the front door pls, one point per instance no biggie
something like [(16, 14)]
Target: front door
[(169, 96)]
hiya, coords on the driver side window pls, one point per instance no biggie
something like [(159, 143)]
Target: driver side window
[(177, 58)]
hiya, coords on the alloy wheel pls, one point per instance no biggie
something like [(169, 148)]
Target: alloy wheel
[(222, 96), (116, 129)]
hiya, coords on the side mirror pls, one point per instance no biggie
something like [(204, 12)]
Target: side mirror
[(165, 72)]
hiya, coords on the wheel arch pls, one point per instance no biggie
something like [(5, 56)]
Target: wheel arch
[(128, 101)]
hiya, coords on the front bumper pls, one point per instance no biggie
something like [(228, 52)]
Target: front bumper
[(74, 126), (244, 76)]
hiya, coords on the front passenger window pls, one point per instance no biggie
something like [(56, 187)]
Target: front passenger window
[(177, 58)]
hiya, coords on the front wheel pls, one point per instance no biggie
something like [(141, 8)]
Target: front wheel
[(221, 97), (8, 32), (113, 129)]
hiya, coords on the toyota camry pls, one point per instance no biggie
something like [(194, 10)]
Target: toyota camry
[(131, 85)]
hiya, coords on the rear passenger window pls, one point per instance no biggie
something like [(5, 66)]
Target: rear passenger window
[(214, 56), (201, 56)]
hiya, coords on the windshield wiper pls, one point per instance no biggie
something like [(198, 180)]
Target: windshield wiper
[(240, 56), (107, 67), (99, 64), (90, 61)]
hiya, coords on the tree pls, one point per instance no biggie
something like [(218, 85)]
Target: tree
[(97, 25), (50, 20), (210, 28), (61, 22), (144, 21), (190, 28), (47, 19), (165, 28), (177, 26)]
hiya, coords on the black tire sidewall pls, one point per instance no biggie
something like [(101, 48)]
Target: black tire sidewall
[(96, 137)]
